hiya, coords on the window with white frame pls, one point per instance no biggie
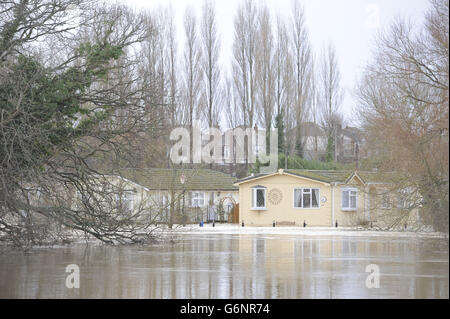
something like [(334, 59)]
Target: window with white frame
[(386, 201), (126, 201), (259, 197), (402, 202), (162, 199), (198, 199), (404, 198), (226, 152), (306, 197), (349, 196)]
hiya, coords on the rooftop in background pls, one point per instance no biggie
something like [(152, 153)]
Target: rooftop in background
[(168, 179)]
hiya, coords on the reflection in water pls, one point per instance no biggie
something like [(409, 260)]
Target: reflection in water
[(234, 266)]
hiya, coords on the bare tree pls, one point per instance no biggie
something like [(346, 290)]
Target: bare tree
[(290, 107), (166, 62), (159, 69), (192, 72), (244, 53), (172, 67), (192, 56), (404, 109), (314, 109), (330, 97), (283, 85), (210, 64), (67, 119), (153, 76), (302, 57), (281, 54), (264, 71), (233, 107)]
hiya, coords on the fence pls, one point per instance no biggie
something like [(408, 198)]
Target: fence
[(208, 213)]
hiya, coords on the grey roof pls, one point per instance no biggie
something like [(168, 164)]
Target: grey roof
[(311, 129), (168, 179), (352, 132), (326, 176)]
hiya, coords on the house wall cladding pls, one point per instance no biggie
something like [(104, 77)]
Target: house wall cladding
[(331, 209), (284, 211)]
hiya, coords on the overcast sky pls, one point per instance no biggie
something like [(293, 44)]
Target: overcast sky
[(350, 24)]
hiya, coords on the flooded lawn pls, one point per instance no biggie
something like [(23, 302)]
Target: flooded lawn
[(235, 266)]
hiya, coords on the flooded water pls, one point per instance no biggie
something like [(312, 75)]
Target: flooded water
[(235, 266)]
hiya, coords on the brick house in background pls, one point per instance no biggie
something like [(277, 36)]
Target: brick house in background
[(349, 143), (350, 148)]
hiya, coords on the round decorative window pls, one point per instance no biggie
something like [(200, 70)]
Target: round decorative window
[(275, 196)]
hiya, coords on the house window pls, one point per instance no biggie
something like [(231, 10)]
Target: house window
[(126, 202), (226, 152), (211, 199), (163, 200), (198, 199), (402, 202), (404, 198), (259, 197), (386, 201), (349, 198), (306, 198)]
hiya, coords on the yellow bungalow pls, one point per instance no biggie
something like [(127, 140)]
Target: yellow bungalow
[(317, 198)]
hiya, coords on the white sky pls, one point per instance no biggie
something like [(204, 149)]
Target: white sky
[(350, 24)]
